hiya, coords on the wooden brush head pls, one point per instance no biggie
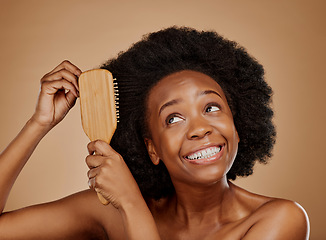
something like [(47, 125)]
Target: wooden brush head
[(97, 104)]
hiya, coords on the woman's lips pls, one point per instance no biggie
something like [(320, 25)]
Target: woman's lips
[(206, 155)]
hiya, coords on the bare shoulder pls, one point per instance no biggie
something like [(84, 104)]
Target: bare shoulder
[(266, 217), (279, 219)]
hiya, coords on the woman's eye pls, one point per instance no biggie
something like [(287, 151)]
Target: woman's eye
[(173, 119), (212, 108)]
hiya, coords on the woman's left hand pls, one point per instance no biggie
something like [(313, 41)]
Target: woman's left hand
[(110, 176)]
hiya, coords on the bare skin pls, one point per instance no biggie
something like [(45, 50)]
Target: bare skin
[(205, 206)]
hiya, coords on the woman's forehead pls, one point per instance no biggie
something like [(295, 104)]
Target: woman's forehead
[(182, 83)]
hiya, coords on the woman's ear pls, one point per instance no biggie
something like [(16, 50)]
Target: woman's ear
[(152, 151)]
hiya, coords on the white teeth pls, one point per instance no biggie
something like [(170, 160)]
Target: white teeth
[(206, 153)]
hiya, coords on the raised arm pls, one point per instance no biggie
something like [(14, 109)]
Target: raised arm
[(59, 91)]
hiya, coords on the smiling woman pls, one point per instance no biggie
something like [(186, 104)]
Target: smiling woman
[(195, 113)]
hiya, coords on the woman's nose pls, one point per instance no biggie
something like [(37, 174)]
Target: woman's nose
[(199, 127)]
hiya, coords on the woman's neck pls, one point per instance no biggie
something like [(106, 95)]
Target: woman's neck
[(194, 205)]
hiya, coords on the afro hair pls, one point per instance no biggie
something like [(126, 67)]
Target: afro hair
[(175, 49)]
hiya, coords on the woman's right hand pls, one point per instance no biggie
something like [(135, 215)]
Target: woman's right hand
[(58, 94)]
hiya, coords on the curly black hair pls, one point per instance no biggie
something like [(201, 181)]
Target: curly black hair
[(175, 49)]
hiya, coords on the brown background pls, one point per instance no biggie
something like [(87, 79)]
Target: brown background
[(287, 37)]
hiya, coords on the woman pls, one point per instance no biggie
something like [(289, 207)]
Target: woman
[(195, 113)]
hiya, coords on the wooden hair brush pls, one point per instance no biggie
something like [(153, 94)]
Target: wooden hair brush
[(98, 106)]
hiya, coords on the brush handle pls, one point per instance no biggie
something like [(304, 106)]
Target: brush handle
[(102, 199)]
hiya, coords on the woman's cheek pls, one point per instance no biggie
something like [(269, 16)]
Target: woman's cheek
[(171, 143)]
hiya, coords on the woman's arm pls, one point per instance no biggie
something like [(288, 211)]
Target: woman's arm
[(79, 216), (59, 91), (110, 176), (15, 156), (60, 219), (138, 221)]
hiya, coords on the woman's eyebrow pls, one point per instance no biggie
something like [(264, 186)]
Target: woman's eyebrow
[(169, 103), (209, 92), (175, 101)]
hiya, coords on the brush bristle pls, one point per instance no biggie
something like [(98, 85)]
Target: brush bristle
[(116, 97)]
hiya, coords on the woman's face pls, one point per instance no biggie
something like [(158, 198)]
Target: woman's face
[(192, 129)]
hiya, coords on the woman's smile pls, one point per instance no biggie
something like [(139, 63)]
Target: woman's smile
[(205, 156)]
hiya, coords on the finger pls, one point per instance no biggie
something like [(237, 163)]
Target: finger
[(71, 99), (69, 96), (94, 161), (93, 173), (68, 66), (101, 148), (62, 74), (52, 87), (92, 183)]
